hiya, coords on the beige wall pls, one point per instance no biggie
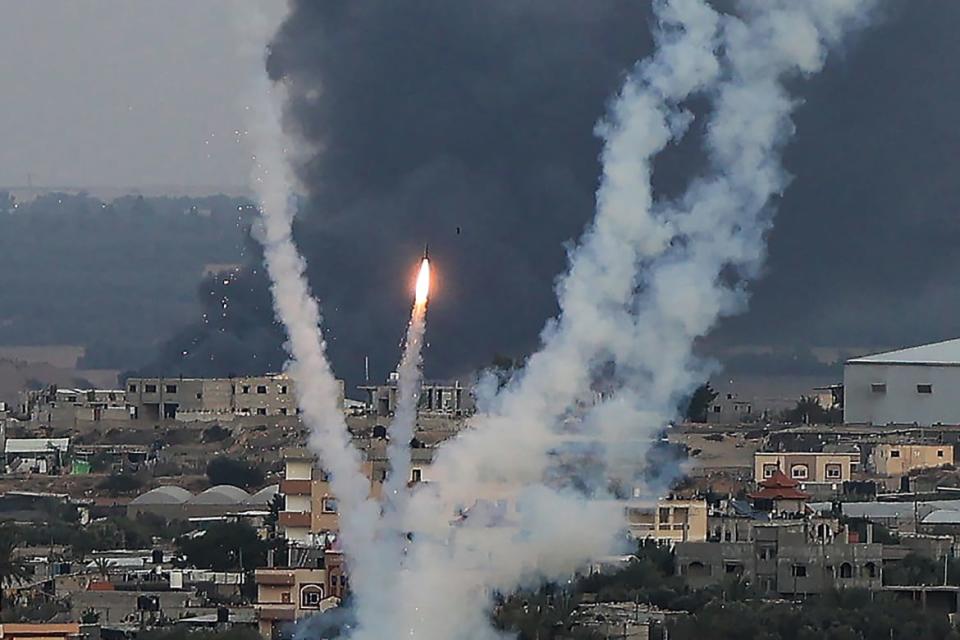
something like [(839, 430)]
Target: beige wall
[(816, 468), (669, 521), (900, 459)]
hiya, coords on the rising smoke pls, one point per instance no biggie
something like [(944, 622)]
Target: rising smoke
[(647, 279)]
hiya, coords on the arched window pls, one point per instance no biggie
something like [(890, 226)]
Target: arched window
[(870, 570), (846, 570), (311, 595), (697, 569)]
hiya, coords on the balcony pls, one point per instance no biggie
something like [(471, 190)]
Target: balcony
[(295, 487), (280, 612), (295, 519)]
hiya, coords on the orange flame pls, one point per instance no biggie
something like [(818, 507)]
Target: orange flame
[(423, 282)]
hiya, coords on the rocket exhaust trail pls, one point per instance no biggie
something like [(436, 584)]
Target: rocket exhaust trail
[(408, 396)]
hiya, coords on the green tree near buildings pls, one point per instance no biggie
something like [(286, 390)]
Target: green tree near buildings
[(231, 546), (700, 403), (239, 473)]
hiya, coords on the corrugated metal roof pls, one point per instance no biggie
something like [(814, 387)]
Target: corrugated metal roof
[(942, 353), (36, 445)]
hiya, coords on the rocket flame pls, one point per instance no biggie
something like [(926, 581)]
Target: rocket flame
[(423, 282)]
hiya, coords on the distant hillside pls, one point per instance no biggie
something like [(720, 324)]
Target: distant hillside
[(116, 278)]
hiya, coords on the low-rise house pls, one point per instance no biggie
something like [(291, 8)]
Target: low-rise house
[(287, 594), (35, 455), (899, 459), (819, 473), (669, 521)]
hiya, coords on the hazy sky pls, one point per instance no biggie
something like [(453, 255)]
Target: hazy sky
[(123, 92)]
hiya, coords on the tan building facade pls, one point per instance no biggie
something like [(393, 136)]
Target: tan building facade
[(670, 521), (285, 595), (808, 468), (901, 459), (200, 399)]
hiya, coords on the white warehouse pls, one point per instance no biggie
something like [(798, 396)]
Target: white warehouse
[(917, 385)]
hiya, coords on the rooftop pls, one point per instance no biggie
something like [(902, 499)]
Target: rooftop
[(936, 353)]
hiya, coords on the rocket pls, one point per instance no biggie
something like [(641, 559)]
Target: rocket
[(426, 251)]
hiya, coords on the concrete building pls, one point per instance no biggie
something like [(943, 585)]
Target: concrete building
[(436, 398), (47, 631), (785, 558), (901, 459), (66, 408), (285, 595), (916, 385), (35, 455), (728, 408), (669, 521), (815, 471), (203, 399)]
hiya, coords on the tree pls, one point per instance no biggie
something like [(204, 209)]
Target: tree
[(808, 411), (225, 547), (273, 514), (119, 483), (224, 470), (700, 403)]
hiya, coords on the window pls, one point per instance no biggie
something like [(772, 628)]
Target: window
[(924, 388), (171, 388), (150, 388), (834, 471), (799, 571), (939, 453), (311, 595), (733, 568), (329, 505), (894, 453), (283, 411), (283, 389), (799, 472), (132, 388), (768, 553), (285, 597), (245, 388), (870, 570), (769, 470), (71, 398), (846, 570), (199, 395), (261, 411), (716, 408), (261, 389), (878, 387), (416, 475), (664, 515)]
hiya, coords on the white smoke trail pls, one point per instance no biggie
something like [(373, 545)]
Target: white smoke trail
[(644, 325), (316, 388)]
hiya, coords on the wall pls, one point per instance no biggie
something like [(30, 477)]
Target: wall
[(818, 465), (900, 459), (900, 403)]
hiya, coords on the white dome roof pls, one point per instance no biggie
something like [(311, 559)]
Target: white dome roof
[(264, 496), (163, 495), (221, 494)]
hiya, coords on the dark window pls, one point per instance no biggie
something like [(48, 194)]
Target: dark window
[(846, 570), (924, 388), (283, 411), (716, 408), (262, 411), (870, 570), (132, 388), (310, 596), (799, 571), (834, 471), (150, 388), (246, 388), (199, 396), (283, 389), (171, 388), (417, 475), (329, 505), (894, 454), (939, 453), (878, 387), (261, 389)]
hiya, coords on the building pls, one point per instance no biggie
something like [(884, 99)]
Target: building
[(785, 558), (436, 398), (669, 522), (901, 459), (35, 455), (202, 399), (918, 385), (217, 502), (815, 471), (779, 494), (285, 595), (49, 631), (728, 408), (71, 407)]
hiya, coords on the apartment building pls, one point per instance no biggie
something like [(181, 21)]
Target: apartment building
[(200, 399), (815, 471), (669, 521), (436, 398), (66, 408), (901, 459), (287, 594)]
